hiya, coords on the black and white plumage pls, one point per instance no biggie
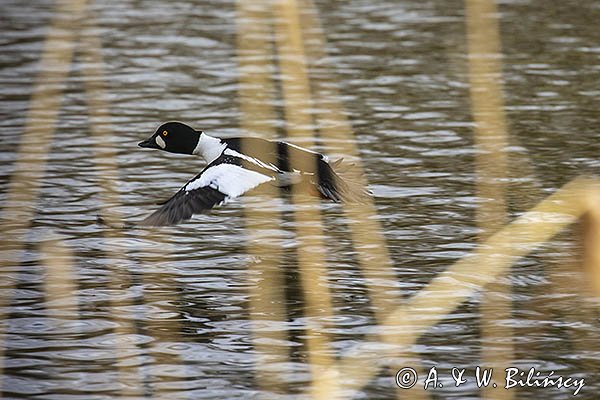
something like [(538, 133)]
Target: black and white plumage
[(238, 165)]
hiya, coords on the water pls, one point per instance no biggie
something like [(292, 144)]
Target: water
[(170, 313)]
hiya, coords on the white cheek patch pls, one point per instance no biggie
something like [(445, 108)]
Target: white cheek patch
[(160, 142)]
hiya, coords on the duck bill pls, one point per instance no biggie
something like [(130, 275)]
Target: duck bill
[(148, 143)]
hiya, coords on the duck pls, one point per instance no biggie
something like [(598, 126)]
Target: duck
[(238, 165)]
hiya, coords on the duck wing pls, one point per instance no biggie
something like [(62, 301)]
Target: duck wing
[(298, 165), (225, 178)]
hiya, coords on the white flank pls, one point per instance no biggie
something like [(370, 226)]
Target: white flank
[(159, 141), (209, 148), (254, 161), (229, 179)]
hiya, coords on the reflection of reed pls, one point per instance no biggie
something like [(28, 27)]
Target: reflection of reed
[(267, 298), (591, 247), (60, 285), (337, 136), (36, 140), (157, 253), (399, 324), (471, 274), (25, 182), (309, 230), (485, 75), (576, 295), (255, 57), (108, 175)]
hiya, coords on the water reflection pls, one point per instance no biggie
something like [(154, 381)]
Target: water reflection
[(217, 308)]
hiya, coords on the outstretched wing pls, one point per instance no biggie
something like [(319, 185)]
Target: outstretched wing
[(223, 179), (183, 205)]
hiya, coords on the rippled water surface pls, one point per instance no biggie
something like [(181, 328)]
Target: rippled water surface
[(177, 312)]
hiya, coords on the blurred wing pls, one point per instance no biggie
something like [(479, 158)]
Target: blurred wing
[(221, 180), (185, 204)]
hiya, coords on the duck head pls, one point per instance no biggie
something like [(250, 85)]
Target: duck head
[(173, 137)]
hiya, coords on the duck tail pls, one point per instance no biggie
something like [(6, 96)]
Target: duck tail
[(337, 182)]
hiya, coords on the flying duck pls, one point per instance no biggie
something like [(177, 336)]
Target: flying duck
[(238, 165)]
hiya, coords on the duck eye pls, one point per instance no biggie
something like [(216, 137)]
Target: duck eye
[(165, 133)]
